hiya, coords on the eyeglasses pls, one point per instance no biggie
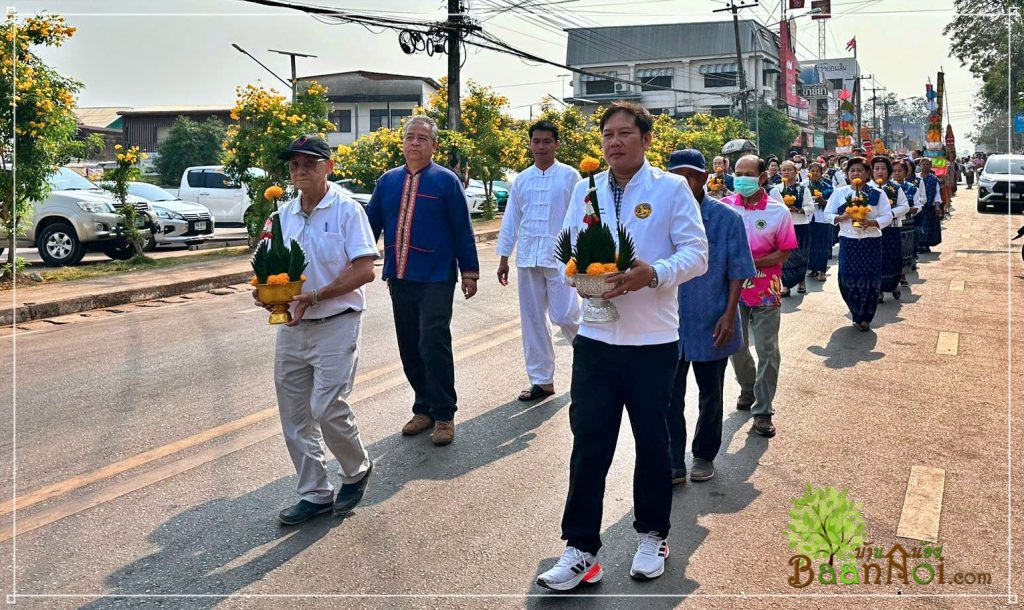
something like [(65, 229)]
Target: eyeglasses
[(306, 164)]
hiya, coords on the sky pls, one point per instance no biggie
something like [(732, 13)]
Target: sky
[(173, 52)]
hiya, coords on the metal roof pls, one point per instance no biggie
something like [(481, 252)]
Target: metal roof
[(617, 44), (198, 109), (377, 76), (98, 116)]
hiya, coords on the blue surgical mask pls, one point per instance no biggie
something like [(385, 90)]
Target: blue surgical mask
[(746, 185)]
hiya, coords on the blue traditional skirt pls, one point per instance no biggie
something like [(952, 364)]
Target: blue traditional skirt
[(835, 239), (820, 249), (892, 258), (929, 228), (908, 244), (794, 270), (860, 264)]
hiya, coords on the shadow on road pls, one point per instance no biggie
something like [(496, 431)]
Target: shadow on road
[(729, 492), (848, 346), (227, 544)]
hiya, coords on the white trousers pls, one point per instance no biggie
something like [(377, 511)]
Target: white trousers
[(314, 370), (543, 292)]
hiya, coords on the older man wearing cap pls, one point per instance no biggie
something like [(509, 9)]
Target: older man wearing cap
[(428, 237), (708, 317), (317, 352)]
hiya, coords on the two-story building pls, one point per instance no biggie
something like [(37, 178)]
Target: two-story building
[(362, 102), (698, 60)]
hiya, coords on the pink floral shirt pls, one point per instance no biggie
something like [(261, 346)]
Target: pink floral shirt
[(769, 229)]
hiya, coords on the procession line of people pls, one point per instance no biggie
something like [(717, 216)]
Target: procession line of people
[(716, 252)]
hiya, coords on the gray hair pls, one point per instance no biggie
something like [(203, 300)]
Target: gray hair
[(422, 120)]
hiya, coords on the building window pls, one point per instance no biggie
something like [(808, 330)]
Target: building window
[(397, 116), (656, 83), (342, 120), (596, 87), (379, 118), (719, 80)]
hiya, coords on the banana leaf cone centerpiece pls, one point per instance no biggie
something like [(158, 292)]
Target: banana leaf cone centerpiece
[(594, 257), (278, 272)]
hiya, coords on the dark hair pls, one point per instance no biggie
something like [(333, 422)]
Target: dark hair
[(884, 160), (544, 126), (907, 166), (815, 164), (640, 115), (858, 161)]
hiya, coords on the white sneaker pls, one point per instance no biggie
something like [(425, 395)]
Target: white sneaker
[(572, 568), (649, 561)]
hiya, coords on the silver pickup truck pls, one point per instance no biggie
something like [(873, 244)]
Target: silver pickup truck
[(79, 216)]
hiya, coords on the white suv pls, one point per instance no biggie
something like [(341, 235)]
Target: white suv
[(210, 187)]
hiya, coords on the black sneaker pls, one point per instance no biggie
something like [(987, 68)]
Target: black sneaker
[(303, 511), (744, 403), (763, 425), (678, 475), (350, 494)]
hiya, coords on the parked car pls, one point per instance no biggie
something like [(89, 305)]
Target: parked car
[(1001, 181), (181, 222), (354, 192), (211, 188), (79, 216), (476, 189)]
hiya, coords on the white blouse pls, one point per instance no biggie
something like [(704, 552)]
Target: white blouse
[(881, 213)]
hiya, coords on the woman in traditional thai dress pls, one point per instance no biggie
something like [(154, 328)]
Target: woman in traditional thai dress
[(860, 242), (903, 175), (792, 192), (892, 250), (819, 249)]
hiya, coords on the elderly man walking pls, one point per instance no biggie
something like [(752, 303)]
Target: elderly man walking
[(533, 218), (428, 237), (316, 354), (708, 317)]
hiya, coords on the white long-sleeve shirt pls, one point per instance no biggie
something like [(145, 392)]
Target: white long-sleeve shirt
[(534, 214), (901, 207), (881, 213), (802, 210), (663, 218), (839, 179)]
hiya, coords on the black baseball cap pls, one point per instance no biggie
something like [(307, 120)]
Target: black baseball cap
[(307, 144)]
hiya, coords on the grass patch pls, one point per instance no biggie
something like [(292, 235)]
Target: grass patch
[(84, 272)]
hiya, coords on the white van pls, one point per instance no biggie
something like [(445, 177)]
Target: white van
[(210, 187)]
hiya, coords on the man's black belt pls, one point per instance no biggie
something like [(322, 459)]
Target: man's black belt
[(333, 315)]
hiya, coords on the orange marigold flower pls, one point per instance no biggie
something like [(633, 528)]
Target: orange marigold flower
[(254, 281), (273, 193), (570, 267), (589, 165), (857, 182), (595, 269), (610, 267)]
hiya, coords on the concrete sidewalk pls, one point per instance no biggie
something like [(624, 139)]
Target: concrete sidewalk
[(62, 298)]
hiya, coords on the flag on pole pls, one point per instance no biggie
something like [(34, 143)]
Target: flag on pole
[(852, 44)]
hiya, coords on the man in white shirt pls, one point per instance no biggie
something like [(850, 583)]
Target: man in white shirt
[(316, 353), (630, 362), (533, 217)]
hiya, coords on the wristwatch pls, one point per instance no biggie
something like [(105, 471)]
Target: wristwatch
[(654, 280)]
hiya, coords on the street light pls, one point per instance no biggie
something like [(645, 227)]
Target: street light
[(250, 55)]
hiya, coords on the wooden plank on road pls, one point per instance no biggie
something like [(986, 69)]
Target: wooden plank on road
[(923, 504), (948, 344)]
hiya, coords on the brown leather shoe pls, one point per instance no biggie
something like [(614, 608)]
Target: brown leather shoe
[(418, 423), (444, 432)]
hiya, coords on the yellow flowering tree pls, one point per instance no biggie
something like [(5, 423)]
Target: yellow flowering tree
[(124, 171), (267, 124), (37, 112)]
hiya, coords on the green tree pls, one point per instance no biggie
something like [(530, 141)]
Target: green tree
[(777, 132), (189, 143), (825, 523), (125, 170), (578, 133), (37, 111), (267, 125)]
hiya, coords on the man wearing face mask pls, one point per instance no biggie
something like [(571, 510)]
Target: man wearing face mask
[(771, 237)]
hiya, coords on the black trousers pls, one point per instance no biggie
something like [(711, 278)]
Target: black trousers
[(604, 379), (707, 438), (423, 317)]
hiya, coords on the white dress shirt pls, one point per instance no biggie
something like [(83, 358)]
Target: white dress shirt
[(902, 207), (664, 220), (881, 213), (839, 179), (335, 233), (806, 204), (534, 213)]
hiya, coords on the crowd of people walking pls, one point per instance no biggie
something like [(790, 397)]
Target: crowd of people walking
[(717, 250)]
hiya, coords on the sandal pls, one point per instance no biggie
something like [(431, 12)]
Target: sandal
[(801, 290), (534, 393)]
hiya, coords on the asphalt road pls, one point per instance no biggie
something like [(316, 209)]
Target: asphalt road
[(149, 458)]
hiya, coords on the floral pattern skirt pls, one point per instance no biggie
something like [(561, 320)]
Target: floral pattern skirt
[(929, 228), (892, 258), (860, 266)]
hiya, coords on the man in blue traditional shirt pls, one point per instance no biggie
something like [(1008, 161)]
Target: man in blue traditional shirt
[(428, 238), (708, 316)]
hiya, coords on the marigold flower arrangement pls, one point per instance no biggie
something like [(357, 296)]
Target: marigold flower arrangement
[(278, 271), (857, 207), (594, 255)]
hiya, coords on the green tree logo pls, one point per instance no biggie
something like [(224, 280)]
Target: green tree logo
[(825, 523)]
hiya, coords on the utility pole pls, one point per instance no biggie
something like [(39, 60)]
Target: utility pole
[(857, 94), (741, 78), (292, 55), (874, 114), (454, 64)]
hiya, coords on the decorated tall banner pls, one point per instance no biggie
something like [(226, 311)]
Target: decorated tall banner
[(844, 132)]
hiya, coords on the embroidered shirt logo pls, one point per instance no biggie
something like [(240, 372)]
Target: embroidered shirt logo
[(642, 210), (760, 224)]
